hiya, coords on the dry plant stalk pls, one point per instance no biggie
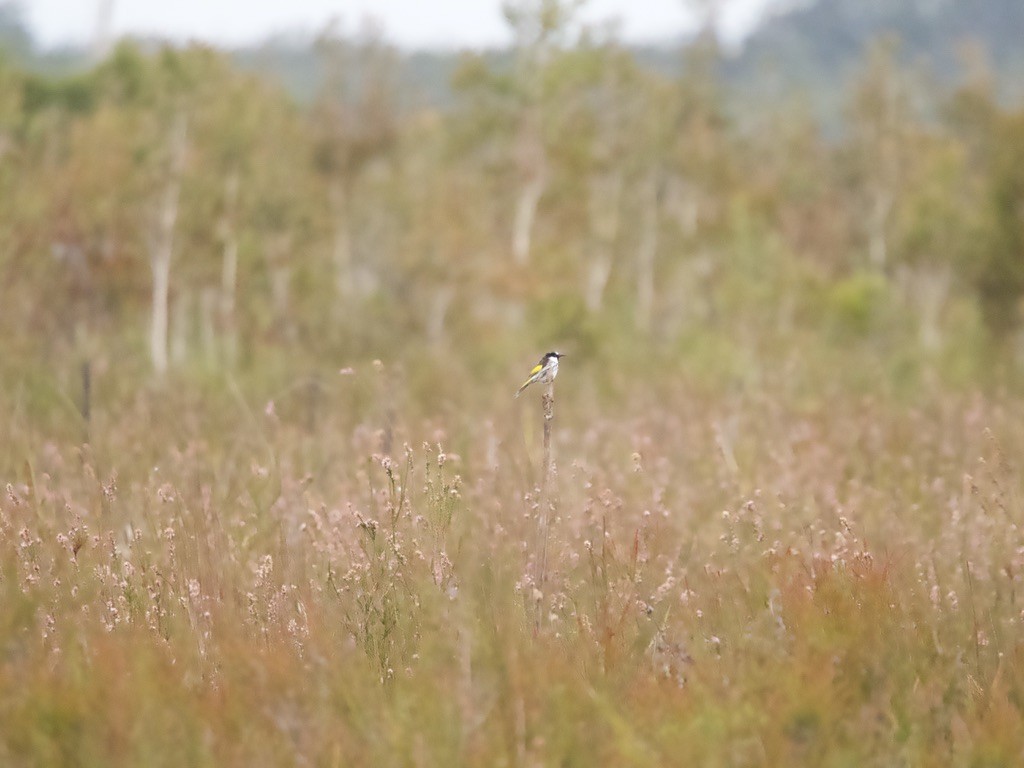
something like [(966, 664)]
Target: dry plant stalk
[(546, 506), (548, 402)]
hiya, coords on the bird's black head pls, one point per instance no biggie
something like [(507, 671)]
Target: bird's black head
[(555, 355)]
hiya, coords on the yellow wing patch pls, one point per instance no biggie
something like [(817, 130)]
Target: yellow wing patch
[(536, 369)]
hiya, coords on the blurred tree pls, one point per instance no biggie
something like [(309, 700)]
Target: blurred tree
[(233, 115), (610, 103), (97, 213), (78, 166), (991, 140), (622, 140), (539, 28), (184, 137), (932, 224), (795, 180), (699, 166), (522, 131), (882, 127), (1001, 259), (479, 136), (281, 206), (161, 240), (354, 119)]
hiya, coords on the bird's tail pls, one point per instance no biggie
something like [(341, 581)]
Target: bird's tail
[(526, 383)]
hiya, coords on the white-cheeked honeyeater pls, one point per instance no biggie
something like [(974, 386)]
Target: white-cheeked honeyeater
[(545, 371)]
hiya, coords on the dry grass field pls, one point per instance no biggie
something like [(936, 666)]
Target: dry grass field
[(335, 577)]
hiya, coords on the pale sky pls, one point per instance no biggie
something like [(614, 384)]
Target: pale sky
[(409, 23)]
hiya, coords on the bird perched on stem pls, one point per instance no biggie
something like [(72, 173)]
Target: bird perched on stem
[(545, 371)]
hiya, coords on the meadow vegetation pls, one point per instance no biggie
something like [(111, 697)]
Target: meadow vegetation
[(755, 578), (268, 500)]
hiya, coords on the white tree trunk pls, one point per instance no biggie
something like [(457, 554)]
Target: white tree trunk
[(682, 203), (229, 280), (278, 254), (180, 327), (342, 252), (162, 244), (531, 167), (229, 270), (928, 289), (208, 325), (599, 272), (647, 252), (526, 214), (605, 220), (438, 313), (878, 222), (161, 268)]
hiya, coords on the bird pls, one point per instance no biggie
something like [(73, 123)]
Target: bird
[(544, 371)]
